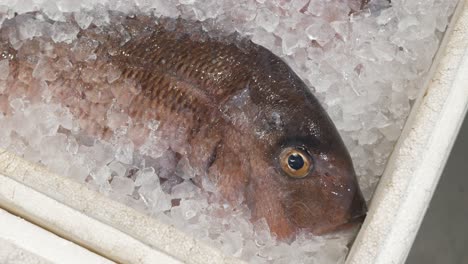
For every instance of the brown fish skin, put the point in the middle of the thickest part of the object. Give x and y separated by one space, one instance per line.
229 106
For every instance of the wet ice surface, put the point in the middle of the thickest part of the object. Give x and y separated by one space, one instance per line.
365 69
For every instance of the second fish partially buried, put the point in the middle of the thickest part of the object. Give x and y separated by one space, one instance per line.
241 116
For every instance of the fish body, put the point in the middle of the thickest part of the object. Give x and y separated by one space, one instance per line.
239 114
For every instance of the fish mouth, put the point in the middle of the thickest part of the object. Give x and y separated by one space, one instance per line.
354 222
358 207
358 212
357 215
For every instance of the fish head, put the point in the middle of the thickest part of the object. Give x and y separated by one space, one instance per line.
301 175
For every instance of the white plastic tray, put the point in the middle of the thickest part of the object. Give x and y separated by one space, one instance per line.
23 242
122 234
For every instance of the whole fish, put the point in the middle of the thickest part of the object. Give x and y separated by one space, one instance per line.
240 115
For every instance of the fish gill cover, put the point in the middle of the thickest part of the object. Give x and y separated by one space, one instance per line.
365 66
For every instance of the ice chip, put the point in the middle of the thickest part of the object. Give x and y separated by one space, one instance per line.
4 69
189 209
52 11
44 70
146 176
121 185
320 31
385 16
18 104
118 168
83 19
64 32
316 7
164 8
124 152
78 172
187 2
406 22
184 169
391 132
184 190
156 199
24 5
267 19
101 175
290 43
206 9
232 243
299 5
70 5
113 74
263 38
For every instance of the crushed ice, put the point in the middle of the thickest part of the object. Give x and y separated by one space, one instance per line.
365 68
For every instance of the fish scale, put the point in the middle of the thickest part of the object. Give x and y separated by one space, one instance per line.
191 63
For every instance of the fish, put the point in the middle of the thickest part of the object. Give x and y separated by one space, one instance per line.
243 119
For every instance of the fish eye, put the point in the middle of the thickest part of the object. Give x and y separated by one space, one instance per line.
295 162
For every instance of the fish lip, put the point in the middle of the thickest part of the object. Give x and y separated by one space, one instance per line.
351 223
357 217
358 207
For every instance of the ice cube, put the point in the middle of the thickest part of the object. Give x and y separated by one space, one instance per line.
165 8
184 169
4 69
44 70
187 2
290 42
316 7
263 38
184 190
122 185
118 168
101 175
189 209
267 19
23 6
64 32
113 74
386 16
206 9
83 19
146 176
78 172
300 5
232 243
52 11
406 22
116 118
124 152
391 132
70 5
157 200
18 104
320 31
